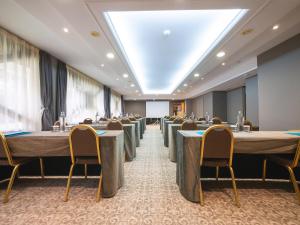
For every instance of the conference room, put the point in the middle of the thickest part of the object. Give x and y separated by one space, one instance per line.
149 112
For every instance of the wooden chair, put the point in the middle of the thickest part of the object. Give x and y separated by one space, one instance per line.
114 125
290 163
216 120
88 121
84 150
132 118
178 121
6 159
125 121
189 125
217 151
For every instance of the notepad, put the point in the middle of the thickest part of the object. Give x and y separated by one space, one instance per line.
294 133
100 132
16 133
200 132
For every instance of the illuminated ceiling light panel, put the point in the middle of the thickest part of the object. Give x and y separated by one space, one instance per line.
161 64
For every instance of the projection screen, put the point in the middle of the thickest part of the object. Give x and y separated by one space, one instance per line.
157 109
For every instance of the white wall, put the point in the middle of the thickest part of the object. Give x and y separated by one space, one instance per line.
279 92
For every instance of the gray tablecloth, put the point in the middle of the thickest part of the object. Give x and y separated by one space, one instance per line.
141 127
137 132
188 154
145 123
166 132
129 139
173 128
47 143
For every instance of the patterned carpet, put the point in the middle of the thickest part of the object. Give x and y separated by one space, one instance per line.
149 196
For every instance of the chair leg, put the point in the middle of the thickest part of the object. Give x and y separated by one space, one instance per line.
294 181
264 170
98 196
69 183
42 168
85 171
236 195
217 173
11 182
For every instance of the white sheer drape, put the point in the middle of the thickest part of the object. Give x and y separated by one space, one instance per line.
115 104
84 97
20 104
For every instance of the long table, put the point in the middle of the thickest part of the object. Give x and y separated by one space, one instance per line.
129 138
172 133
137 132
257 142
50 144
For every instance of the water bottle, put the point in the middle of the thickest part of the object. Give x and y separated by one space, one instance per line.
96 117
239 121
62 121
192 116
206 117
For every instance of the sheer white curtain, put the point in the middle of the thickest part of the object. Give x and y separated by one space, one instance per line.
115 104
20 102
84 97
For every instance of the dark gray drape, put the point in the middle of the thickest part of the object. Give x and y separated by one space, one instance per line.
122 105
107 95
61 89
46 90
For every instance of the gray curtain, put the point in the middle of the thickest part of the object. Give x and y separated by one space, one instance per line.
61 88
122 105
107 96
46 90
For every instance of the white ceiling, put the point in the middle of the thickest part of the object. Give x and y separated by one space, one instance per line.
41 23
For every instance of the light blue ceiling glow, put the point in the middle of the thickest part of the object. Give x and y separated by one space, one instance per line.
161 62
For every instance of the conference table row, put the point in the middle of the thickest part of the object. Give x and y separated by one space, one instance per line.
115 147
184 149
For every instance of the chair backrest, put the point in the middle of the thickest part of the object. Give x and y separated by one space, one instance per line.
201 119
125 121
114 125
103 119
217 143
247 122
132 118
57 123
216 120
4 149
84 142
88 121
178 121
172 118
189 125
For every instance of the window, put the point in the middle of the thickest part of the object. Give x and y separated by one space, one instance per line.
115 104
20 104
84 97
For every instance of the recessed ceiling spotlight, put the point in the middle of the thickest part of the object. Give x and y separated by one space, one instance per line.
174 94
117 79
66 30
136 91
275 27
178 91
196 75
102 65
221 54
132 85
202 78
166 32
110 55
95 33
223 63
125 75
185 85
